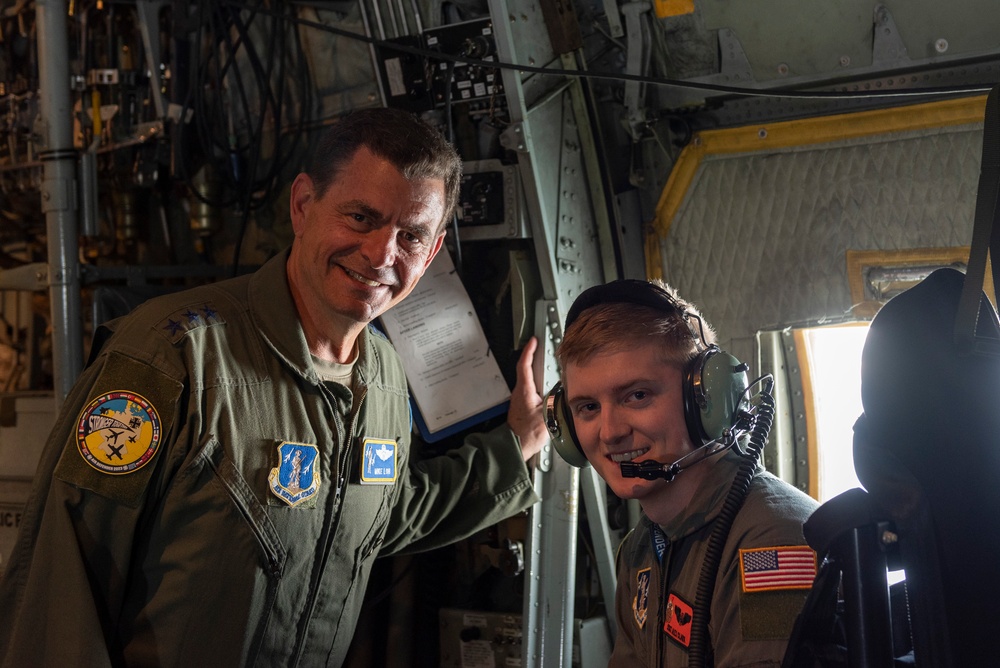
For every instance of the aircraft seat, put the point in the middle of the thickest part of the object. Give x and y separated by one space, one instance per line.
927 451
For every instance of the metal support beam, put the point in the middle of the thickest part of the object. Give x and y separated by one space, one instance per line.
547 132
550 558
59 193
637 33
149 13
595 501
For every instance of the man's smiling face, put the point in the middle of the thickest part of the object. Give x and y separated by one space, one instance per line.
627 405
365 243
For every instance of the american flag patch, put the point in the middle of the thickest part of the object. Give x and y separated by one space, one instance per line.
771 568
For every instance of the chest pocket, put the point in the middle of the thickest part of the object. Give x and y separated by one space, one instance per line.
211 469
366 504
212 536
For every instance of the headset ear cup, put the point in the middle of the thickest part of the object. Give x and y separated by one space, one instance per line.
562 432
714 391
689 391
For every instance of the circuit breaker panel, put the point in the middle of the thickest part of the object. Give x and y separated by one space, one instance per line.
413 79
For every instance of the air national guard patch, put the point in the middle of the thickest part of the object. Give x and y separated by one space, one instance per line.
118 432
640 604
378 461
296 479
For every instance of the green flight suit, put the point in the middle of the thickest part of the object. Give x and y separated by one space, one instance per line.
655 598
232 529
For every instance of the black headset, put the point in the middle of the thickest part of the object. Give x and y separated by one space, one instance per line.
715 382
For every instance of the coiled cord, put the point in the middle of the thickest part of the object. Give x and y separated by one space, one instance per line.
697 649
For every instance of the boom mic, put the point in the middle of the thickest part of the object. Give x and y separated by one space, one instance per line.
654 470
650 470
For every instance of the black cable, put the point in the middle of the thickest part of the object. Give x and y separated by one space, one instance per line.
260 186
699 649
247 179
250 190
237 78
305 102
207 113
257 187
263 83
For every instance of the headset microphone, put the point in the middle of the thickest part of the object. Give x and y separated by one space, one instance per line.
654 470
650 470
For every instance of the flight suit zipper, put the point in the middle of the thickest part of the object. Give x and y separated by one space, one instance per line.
661 618
335 505
354 415
345 456
665 563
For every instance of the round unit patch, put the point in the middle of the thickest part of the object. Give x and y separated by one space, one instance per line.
119 432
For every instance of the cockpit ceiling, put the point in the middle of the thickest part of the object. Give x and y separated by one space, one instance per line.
853 46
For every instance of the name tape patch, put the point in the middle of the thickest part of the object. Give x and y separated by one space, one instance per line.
378 461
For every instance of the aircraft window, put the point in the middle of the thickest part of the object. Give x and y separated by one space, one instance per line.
833 404
833 381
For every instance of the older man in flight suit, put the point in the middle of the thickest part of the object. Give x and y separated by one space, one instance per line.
209 493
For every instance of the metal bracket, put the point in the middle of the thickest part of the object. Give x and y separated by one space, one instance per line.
733 62
512 138
545 375
57 195
887 45
614 18
552 323
637 39
149 12
30 277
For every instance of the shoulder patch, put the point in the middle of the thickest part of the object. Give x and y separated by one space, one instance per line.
120 430
775 582
175 326
770 615
776 568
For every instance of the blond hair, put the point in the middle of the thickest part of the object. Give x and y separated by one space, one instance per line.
616 326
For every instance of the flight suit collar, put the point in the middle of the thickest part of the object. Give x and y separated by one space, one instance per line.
708 500
273 309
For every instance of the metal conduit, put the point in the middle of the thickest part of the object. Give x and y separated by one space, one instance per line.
59 194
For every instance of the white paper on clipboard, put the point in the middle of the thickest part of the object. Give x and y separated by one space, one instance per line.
452 373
